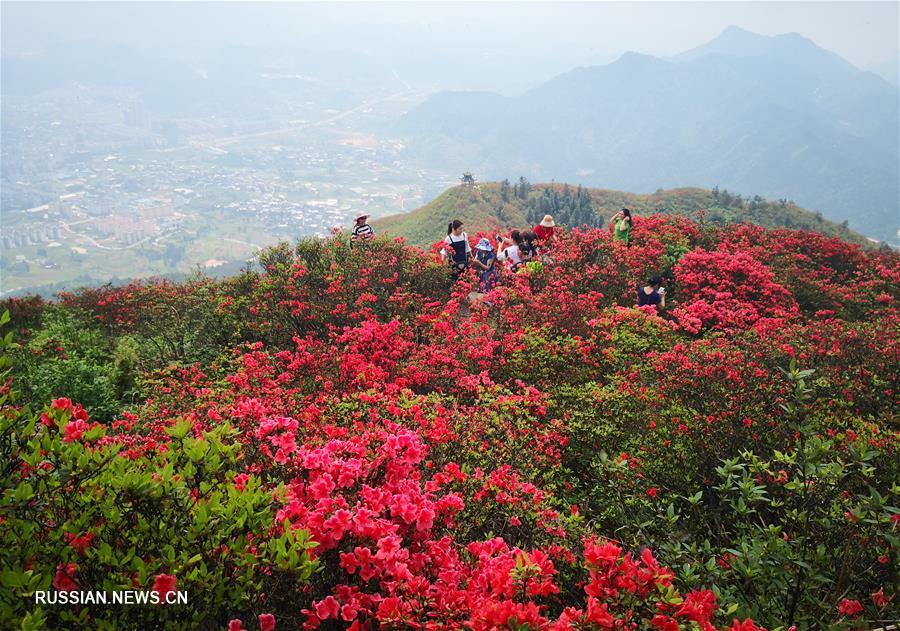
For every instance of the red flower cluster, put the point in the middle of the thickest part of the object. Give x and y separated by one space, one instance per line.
729 291
163 585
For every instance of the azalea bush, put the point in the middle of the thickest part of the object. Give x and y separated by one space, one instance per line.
340 439
82 509
729 291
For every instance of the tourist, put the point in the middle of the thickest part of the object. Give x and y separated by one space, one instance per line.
544 230
456 246
621 225
484 261
510 248
529 249
652 294
362 229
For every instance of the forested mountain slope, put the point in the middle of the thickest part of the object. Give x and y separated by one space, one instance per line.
521 204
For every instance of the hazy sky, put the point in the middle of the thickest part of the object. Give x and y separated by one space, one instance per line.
862 32
506 46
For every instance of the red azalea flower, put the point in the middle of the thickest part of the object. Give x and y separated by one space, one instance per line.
746 625
880 599
79 543
74 430
61 404
266 622
851 608
599 614
240 481
328 608
164 585
663 623
64 579
390 609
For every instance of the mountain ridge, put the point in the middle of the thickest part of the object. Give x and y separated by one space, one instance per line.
734 40
486 209
811 127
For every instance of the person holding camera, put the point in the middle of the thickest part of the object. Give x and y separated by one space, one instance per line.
510 249
652 294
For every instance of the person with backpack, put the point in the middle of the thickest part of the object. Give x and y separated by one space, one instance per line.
456 247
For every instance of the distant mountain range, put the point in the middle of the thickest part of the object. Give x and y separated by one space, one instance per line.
495 205
778 116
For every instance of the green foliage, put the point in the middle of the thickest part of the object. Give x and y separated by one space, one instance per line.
317 284
547 358
144 512
568 207
69 356
784 535
183 323
125 367
483 208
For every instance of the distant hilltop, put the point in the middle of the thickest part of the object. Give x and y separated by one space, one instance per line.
778 116
522 204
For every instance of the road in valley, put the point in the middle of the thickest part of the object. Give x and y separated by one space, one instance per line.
218 144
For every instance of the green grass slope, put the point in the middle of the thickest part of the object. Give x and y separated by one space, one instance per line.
487 207
478 208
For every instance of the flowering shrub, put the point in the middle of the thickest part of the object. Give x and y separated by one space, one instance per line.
82 512
729 291
342 440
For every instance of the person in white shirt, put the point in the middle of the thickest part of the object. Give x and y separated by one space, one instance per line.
457 247
509 248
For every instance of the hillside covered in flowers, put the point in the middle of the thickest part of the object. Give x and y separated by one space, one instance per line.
341 440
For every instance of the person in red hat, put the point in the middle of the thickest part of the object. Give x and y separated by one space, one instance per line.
362 229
